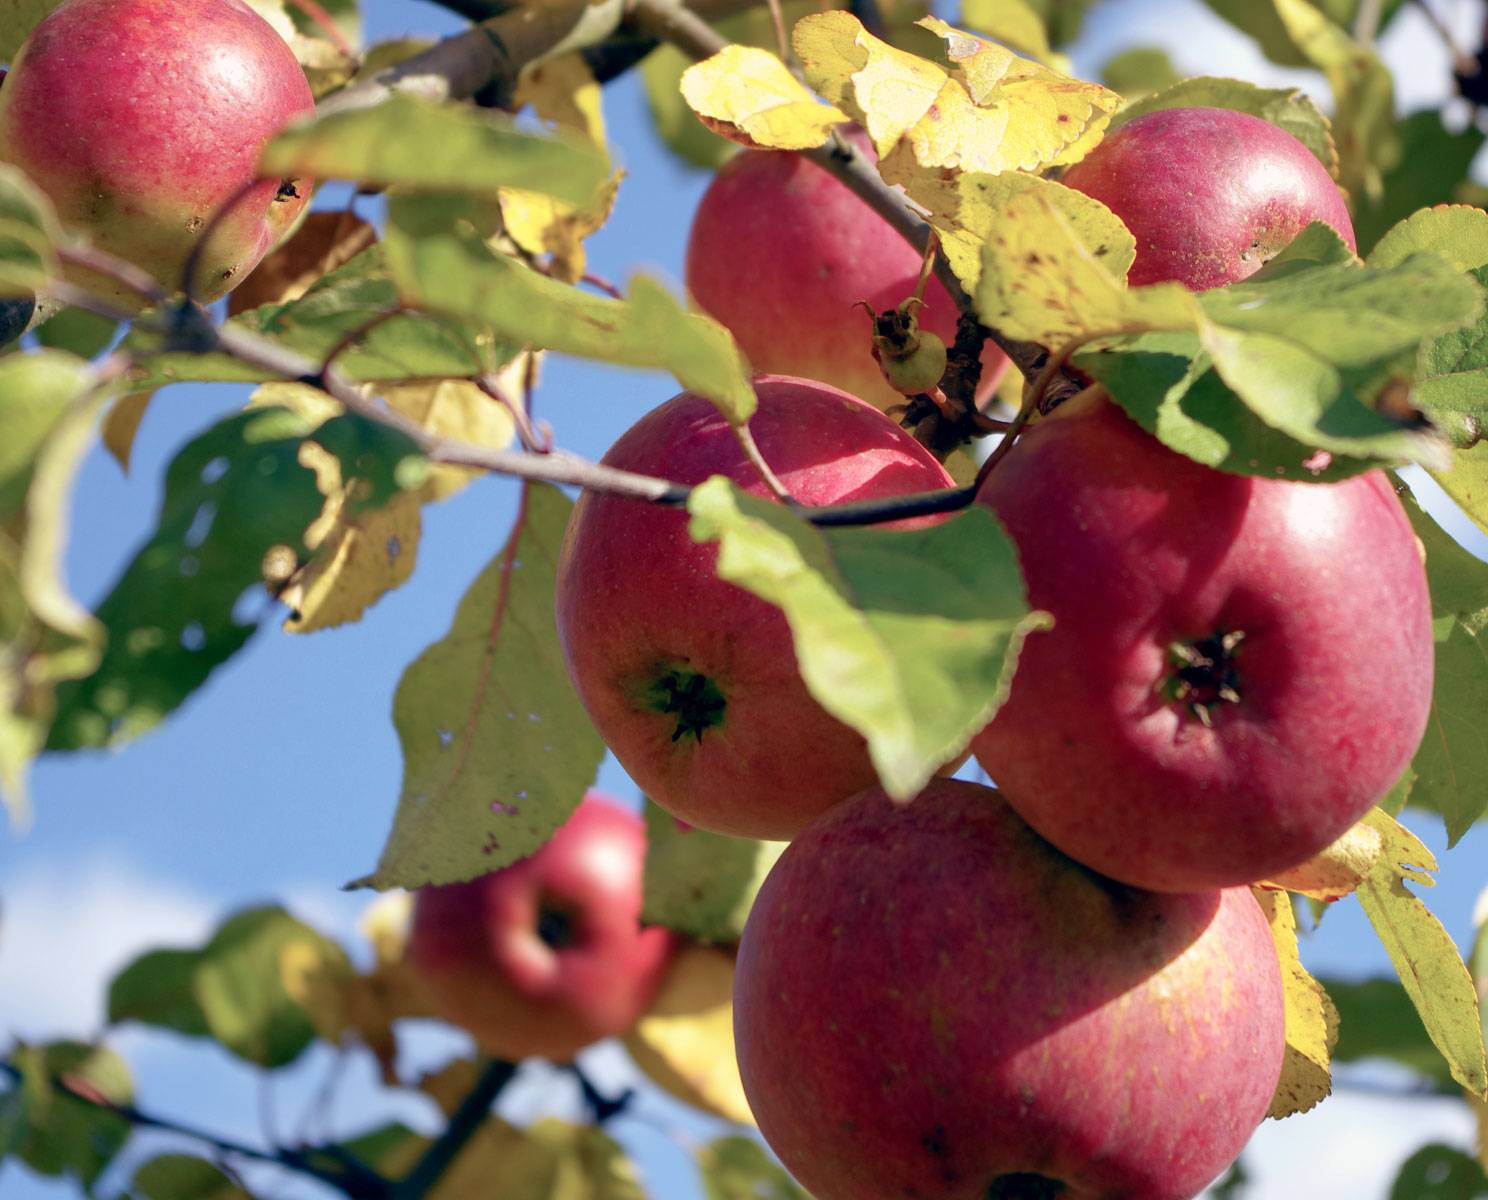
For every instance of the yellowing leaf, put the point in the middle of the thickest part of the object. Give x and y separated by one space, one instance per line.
966 210
541 224
1042 282
747 95
1014 23
323 242
122 422
1337 871
1311 1019
564 91
316 975
685 1042
385 924
1425 957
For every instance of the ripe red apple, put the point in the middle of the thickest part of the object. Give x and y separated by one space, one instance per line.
933 1002
1238 669
547 955
692 681
781 252
141 118
1210 194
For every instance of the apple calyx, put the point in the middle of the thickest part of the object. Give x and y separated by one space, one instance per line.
555 927
1204 674
694 698
912 360
1025 1185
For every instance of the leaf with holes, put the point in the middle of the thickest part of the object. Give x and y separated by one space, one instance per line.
497 749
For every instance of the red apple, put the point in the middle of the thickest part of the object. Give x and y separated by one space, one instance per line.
1210 194
1238 670
141 118
933 1002
780 253
547 955
691 681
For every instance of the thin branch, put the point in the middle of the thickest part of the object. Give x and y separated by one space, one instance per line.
463 1123
327 24
604 1108
474 10
674 22
896 508
757 461
1463 63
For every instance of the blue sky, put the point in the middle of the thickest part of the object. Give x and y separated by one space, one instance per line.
279 779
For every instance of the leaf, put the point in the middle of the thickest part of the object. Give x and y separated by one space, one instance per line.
441 263
990 111
497 749
28 232
563 92
1425 957
1042 282
685 1041
1289 109
1336 871
1432 162
231 495
17 19
55 1133
1378 1020
739 1168
1311 1020
1439 1172
77 331
121 423
908 636
700 883
541 225
412 144
1451 764
1140 70
749 96
324 241
1466 481
183 1177
1454 232
968 208
1014 23
159 988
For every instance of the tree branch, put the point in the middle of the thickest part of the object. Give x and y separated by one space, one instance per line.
463 1123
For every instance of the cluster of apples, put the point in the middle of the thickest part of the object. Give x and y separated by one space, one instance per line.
1062 987
143 122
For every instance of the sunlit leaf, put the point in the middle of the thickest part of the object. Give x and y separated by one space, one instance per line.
1311 1019
749 96
700 883
1337 871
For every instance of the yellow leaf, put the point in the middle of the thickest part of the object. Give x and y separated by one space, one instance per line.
361 557
317 981
385 924
564 91
991 111
323 242
749 96
1042 282
1012 22
122 422
542 224
1337 871
1425 957
1311 1019
685 1043
966 209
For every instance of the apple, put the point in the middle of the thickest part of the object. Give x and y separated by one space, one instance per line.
142 118
1210 194
781 253
690 680
1239 667
933 1002
547 955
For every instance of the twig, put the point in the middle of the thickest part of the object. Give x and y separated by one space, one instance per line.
1367 22
1463 63
463 1123
605 1108
323 19
672 21
897 508
782 39
757 461
526 433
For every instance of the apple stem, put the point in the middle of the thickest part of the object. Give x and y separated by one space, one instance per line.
757 460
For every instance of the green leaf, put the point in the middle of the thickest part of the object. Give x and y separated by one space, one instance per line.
675 122
497 749
1466 481
28 232
1376 1019
1451 765
1426 959
443 264
1440 1172
1139 70
1258 18
232 989
17 19
1169 386
1349 317
1432 162
53 1132
83 333
1062 18
1456 233
410 143
231 495
1289 109
908 636
159 988
739 1168
700 883
1016 24
183 1177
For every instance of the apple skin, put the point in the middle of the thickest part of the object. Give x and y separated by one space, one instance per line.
1133 548
141 118
546 956
780 253
1210 194
932 1003
638 600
